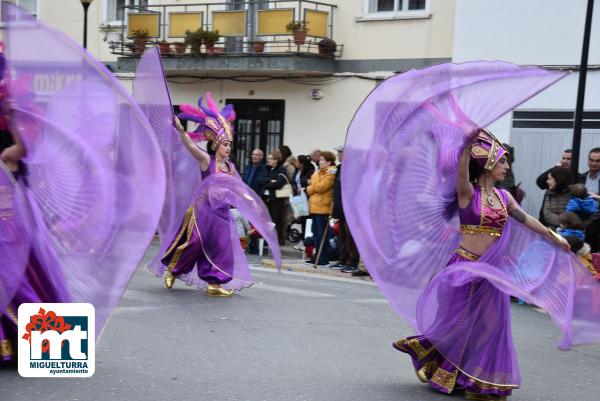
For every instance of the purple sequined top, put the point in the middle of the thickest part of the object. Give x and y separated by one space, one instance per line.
478 218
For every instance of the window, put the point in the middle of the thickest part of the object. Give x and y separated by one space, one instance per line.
395 7
114 11
31 6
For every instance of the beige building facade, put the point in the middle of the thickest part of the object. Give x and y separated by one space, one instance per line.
289 94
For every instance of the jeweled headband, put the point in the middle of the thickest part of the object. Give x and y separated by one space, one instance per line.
487 150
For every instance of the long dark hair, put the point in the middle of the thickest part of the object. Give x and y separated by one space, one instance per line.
286 152
562 177
475 170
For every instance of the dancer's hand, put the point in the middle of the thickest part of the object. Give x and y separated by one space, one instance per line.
560 241
178 125
564 244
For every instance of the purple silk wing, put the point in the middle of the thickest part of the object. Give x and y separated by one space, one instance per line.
96 178
233 191
14 237
182 170
218 192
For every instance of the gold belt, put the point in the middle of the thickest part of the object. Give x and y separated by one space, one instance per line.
466 254
473 229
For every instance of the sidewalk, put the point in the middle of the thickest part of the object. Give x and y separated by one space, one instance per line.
291 260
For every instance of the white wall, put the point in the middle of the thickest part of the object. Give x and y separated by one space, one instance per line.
560 96
540 32
307 123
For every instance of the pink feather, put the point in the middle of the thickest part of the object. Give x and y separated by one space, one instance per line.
210 103
191 109
231 116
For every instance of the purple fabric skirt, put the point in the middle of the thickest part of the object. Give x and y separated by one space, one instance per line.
187 251
492 351
36 286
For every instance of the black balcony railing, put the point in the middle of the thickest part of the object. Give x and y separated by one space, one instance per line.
248 28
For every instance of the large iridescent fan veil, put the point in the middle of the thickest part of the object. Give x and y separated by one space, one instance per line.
183 174
96 179
399 185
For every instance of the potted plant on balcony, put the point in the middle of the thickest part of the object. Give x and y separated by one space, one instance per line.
164 47
140 38
210 38
298 30
194 40
327 47
179 47
258 46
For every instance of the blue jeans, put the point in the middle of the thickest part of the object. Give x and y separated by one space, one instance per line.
320 223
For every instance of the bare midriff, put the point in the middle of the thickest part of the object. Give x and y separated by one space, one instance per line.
477 243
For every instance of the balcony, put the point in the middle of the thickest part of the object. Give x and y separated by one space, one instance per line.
253 37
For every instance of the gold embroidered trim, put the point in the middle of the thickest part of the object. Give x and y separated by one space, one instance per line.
473 229
444 379
466 254
6 348
415 346
11 314
188 223
188 214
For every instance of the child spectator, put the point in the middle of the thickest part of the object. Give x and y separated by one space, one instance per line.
581 203
570 225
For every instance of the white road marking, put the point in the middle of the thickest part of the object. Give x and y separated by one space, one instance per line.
292 291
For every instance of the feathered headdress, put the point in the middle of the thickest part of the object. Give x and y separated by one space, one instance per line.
213 124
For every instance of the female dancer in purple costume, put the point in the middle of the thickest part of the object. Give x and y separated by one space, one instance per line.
483 212
210 252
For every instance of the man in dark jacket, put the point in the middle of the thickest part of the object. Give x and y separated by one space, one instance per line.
349 256
565 161
591 179
255 170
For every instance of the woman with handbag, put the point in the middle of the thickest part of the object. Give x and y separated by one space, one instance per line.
320 192
276 191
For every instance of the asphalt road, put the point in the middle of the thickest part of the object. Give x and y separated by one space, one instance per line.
292 336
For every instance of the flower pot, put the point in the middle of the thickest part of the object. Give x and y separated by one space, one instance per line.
179 47
326 51
299 37
139 44
209 46
258 47
164 47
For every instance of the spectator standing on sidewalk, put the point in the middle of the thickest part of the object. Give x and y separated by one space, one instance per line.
274 180
315 156
541 182
255 170
591 179
320 192
557 196
349 258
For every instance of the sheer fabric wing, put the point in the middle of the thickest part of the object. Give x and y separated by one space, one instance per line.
14 237
151 92
96 178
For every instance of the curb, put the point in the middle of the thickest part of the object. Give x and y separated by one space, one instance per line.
270 263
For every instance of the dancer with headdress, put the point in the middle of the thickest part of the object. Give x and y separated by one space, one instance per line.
78 207
189 249
446 247
204 242
198 234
